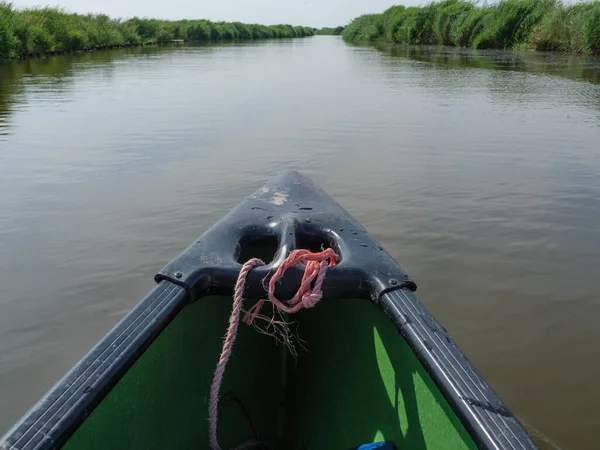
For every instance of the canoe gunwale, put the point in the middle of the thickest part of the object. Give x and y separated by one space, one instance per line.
487 419
292 212
57 415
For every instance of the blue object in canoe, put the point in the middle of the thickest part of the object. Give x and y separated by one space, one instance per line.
376 446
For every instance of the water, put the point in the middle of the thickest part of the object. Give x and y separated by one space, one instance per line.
479 172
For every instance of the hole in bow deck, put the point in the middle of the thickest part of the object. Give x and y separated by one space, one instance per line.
261 247
315 242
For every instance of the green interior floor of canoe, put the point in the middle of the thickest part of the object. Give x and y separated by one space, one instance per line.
356 382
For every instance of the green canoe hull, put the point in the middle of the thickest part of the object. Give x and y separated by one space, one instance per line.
356 382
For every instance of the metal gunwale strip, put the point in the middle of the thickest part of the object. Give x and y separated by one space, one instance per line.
442 370
469 373
141 318
449 369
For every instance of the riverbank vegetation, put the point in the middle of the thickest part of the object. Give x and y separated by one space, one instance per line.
524 24
38 31
337 31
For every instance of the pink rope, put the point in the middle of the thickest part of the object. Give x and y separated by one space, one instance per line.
316 267
306 297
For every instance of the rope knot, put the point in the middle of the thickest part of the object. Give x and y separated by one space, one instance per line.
311 299
310 291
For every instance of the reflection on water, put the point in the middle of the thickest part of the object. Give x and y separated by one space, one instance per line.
478 171
576 67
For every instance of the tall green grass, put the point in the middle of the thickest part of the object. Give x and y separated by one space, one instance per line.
45 30
527 24
337 31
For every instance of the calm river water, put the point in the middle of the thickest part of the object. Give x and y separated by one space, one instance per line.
478 171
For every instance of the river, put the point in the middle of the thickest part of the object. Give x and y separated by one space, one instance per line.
478 171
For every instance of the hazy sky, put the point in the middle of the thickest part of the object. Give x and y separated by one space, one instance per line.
315 13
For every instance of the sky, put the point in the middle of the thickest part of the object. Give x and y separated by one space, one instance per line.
314 13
